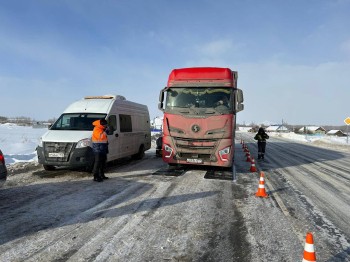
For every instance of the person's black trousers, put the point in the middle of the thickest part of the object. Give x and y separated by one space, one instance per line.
99 165
261 149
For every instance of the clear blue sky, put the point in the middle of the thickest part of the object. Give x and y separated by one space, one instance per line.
292 57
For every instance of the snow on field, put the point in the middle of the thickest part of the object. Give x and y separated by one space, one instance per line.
311 138
18 143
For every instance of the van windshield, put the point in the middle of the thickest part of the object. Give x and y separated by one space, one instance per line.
76 121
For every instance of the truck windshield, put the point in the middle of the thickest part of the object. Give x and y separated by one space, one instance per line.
215 99
76 121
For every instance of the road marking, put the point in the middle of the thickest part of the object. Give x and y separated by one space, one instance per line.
284 210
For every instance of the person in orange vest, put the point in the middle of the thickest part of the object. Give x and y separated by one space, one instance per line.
100 148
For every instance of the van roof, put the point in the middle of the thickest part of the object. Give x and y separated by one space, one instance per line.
90 106
119 97
101 104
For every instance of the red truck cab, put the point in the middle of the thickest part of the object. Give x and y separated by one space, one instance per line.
200 106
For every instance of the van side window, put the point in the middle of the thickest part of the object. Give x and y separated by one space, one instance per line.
112 123
125 123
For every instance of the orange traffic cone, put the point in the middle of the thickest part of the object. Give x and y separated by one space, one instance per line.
246 148
248 157
261 189
309 251
253 167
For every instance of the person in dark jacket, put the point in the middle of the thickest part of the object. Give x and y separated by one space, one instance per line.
100 148
261 136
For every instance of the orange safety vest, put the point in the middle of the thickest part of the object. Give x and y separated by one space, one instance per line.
98 134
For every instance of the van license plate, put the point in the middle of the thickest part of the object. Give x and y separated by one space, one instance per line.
56 154
194 160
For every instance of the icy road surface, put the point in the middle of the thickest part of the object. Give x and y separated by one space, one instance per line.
143 213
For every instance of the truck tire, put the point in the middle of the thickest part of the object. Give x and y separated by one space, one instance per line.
140 154
48 168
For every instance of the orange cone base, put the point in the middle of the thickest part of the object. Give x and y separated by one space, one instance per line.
309 251
253 169
261 193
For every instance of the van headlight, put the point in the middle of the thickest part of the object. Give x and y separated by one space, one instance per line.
84 143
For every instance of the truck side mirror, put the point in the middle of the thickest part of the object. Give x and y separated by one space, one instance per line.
161 99
239 95
239 100
240 107
161 95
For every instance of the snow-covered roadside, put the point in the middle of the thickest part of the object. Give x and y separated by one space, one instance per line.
329 142
18 143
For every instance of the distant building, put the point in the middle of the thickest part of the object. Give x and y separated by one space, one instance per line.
335 133
313 130
277 128
246 129
157 123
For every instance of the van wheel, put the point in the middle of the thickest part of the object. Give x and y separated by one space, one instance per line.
140 154
48 168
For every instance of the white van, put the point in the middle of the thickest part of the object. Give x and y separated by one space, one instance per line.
68 141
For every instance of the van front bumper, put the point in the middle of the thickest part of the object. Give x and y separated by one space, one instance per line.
77 157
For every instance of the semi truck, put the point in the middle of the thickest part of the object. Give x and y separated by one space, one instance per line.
67 143
199 107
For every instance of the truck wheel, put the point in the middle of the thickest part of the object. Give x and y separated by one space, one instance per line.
140 154
48 168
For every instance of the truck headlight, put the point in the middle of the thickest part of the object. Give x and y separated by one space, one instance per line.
224 153
84 143
167 151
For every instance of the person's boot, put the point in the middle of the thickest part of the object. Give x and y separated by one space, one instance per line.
97 178
262 156
102 175
259 155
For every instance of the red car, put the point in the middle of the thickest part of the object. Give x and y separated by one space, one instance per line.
3 170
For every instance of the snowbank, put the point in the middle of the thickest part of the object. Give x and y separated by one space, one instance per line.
18 143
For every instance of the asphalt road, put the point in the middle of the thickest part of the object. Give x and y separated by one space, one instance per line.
146 212
312 187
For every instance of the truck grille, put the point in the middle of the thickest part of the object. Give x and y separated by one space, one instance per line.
58 152
195 148
194 144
